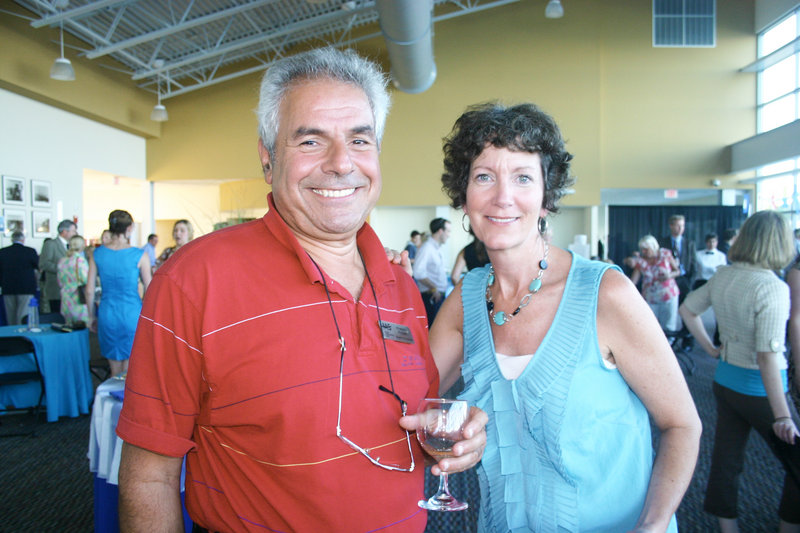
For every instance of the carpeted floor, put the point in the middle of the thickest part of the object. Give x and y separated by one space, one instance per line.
45 484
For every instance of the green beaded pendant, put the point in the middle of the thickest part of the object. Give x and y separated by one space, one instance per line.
535 285
499 318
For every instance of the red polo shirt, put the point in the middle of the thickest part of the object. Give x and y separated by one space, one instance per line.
236 365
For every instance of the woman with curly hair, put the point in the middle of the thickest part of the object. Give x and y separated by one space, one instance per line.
562 352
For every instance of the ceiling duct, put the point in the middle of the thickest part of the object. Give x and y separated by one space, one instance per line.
407 29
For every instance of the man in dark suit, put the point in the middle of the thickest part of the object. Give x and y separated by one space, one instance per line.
52 251
684 251
18 264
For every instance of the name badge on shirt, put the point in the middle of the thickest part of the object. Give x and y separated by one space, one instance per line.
396 332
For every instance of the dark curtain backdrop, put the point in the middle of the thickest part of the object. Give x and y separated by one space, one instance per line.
628 224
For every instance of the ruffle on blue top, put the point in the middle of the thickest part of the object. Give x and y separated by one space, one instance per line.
527 484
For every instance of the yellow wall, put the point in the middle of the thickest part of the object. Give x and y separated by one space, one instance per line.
98 93
634 116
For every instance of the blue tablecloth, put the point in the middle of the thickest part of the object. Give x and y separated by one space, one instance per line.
64 360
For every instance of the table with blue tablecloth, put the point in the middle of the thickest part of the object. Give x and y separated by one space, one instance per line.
104 455
64 360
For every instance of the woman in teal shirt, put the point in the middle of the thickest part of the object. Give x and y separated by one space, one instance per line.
562 352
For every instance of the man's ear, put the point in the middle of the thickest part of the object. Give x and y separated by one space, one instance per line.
266 162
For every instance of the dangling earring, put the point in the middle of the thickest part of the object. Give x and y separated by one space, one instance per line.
463 226
542 225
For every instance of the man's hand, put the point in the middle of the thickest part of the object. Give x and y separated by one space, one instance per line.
467 452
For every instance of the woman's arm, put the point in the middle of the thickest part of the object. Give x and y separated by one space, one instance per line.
90 285
636 275
694 324
145 272
83 270
769 365
629 333
447 341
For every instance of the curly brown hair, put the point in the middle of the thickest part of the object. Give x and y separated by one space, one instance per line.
523 128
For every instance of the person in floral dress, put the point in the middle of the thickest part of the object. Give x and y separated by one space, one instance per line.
657 269
73 270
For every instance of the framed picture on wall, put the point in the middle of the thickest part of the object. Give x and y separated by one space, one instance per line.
40 193
13 190
41 223
15 221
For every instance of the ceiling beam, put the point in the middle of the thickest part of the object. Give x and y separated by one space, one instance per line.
76 12
243 43
163 32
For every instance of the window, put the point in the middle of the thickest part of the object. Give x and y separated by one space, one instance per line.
777 188
684 23
777 104
778 68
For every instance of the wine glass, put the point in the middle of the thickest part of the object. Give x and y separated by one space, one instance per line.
443 422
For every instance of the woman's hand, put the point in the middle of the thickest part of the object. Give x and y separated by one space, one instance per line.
785 429
93 324
400 258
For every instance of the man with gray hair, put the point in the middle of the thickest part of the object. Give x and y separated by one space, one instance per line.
52 251
285 385
18 264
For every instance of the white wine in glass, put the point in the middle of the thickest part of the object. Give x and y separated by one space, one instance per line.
443 424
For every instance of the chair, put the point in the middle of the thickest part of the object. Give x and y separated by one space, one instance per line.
676 339
46 318
98 365
12 347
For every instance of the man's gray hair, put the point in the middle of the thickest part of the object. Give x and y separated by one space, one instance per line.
65 225
17 236
317 64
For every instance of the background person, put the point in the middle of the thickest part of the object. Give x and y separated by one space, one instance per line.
471 256
182 232
708 261
120 267
751 305
657 270
73 273
568 394
413 245
728 238
52 251
684 252
18 272
150 248
430 271
259 353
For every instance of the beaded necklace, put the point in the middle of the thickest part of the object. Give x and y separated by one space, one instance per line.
501 317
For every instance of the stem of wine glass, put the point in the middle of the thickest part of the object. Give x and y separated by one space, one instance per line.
444 489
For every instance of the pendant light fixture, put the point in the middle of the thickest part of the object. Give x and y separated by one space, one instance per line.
159 113
554 9
62 68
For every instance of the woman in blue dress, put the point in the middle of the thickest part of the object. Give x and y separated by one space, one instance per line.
120 267
562 353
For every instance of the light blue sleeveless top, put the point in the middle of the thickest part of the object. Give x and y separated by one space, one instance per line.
568 443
